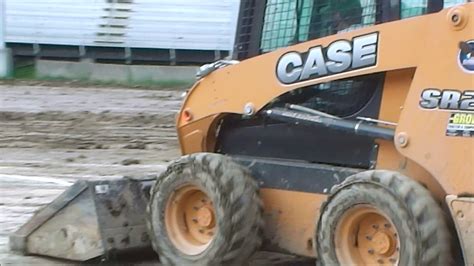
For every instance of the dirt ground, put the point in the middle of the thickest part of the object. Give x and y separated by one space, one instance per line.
54 134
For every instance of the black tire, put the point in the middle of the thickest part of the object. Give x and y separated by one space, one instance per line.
238 208
421 225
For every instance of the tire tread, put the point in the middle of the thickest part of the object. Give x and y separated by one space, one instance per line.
432 233
231 183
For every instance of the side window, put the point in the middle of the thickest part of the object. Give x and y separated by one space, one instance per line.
412 8
288 22
334 16
450 3
341 98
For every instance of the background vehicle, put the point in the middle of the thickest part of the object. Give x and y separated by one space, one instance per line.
355 148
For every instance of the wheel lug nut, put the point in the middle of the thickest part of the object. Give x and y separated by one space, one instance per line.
380 261
387 225
203 200
368 238
195 220
371 251
195 208
201 231
375 226
392 260
210 233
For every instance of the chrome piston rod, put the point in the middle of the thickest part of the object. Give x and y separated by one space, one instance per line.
354 127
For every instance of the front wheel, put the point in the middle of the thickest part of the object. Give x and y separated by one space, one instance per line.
205 210
382 218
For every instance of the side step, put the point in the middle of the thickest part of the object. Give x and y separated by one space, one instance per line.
92 219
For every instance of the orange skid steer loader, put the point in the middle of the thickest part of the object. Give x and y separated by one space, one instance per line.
344 133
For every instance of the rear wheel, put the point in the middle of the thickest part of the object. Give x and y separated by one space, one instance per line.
205 210
383 218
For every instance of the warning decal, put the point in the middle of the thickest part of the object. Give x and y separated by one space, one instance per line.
460 125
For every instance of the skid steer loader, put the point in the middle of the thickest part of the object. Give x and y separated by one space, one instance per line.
344 134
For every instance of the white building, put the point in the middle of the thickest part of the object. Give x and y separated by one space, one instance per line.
159 30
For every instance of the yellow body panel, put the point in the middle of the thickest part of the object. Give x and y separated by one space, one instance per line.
288 228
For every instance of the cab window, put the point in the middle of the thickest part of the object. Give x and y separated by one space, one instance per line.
288 22
412 8
342 98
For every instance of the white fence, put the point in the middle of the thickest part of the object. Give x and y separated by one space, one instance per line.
164 24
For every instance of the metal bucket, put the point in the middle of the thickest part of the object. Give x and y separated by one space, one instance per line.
92 219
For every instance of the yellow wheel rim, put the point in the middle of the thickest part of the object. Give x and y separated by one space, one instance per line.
364 235
190 220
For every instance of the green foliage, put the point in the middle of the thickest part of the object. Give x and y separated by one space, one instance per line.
24 72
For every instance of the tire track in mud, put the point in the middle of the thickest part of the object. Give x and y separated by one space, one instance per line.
50 137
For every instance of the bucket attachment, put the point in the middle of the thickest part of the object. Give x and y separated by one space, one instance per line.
92 219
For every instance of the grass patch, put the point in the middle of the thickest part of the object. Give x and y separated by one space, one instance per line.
25 72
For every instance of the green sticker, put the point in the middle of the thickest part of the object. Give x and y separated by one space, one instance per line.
461 125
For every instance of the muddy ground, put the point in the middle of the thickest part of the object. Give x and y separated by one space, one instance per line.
52 134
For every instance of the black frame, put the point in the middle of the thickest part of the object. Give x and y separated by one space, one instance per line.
266 138
249 28
295 176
